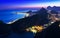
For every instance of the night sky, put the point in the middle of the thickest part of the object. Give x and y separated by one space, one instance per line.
7 4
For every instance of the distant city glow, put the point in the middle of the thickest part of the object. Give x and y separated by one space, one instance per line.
35 29
59 25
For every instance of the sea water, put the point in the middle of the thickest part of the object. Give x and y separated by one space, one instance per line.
10 15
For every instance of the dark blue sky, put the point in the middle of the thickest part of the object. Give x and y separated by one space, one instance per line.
25 1
28 3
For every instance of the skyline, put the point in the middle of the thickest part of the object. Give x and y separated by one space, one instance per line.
14 4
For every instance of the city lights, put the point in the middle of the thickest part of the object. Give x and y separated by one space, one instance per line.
35 29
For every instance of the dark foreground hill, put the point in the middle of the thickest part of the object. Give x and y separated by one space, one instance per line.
53 31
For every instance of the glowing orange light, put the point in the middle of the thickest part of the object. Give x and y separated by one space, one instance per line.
35 29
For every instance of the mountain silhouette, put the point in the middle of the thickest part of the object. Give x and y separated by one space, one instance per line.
53 31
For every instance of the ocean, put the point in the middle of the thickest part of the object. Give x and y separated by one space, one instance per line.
10 15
